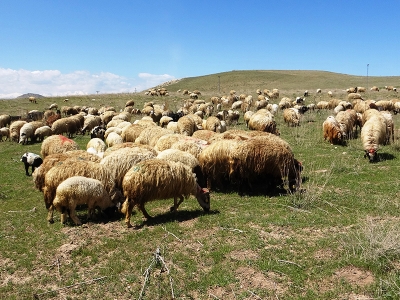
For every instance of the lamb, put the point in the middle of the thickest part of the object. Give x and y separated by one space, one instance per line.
57 144
42 132
31 159
172 179
373 134
80 190
263 120
332 131
67 169
264 159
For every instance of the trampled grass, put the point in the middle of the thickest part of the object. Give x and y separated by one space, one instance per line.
335 239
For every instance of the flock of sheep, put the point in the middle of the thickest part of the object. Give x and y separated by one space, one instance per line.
167 154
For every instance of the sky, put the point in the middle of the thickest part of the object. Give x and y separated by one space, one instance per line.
79 47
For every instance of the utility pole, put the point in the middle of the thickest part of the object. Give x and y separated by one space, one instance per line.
367 78
219 84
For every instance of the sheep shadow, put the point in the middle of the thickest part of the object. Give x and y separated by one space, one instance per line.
179 216
385 156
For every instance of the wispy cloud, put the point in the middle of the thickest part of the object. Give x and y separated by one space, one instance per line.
14 83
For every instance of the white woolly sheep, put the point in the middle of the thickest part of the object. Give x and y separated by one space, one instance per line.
4 132
27 133
172 179
80 190
42 132
97 144
373 134
113 139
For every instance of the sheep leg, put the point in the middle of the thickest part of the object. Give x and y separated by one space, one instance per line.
74 217
146 215
176 205
50 214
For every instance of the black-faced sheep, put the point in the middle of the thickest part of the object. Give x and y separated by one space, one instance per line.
80 190
157 179
98 132
31 160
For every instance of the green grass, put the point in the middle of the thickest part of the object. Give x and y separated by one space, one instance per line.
323 243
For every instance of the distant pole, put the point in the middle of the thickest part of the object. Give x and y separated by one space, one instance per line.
367 78
97 92
219 84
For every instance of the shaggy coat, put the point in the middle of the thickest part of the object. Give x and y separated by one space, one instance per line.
80 190
263 120
332 131
97 144
114 139
291 116
42 132
57 144
373 134
157 179
347 120
15 129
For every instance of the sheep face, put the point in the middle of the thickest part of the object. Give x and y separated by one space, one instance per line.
371 154
203 197
116 196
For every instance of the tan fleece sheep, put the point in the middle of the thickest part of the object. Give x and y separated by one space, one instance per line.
15 129
332 131
42 132
263 120
80 190
57 144
373 134
171 179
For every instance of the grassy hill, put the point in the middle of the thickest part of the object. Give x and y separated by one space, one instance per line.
337 238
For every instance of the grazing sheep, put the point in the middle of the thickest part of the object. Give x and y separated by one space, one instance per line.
389 88
246 117
132 132
213 124
360 89
27 132
97 144
165 120
90 122
67 169
42 132
285 103
98 132
389 126
322 105
319 91
330 94
130 103
15 128
353 96
373 134
80 190
204 134
186 125
4 132
57 144
332 131
264 159
190 145
149 136
5 120
263 120
374 89
31 159
166 141
171 179
347 120
291 116
385 105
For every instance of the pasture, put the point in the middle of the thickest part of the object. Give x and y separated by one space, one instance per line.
337 238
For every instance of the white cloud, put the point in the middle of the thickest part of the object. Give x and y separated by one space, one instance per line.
14 83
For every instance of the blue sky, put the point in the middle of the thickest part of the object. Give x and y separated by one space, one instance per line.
82 46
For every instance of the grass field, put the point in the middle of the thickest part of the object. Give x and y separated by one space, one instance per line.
338 239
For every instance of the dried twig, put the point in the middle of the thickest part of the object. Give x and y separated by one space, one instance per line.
22 211
214 296
289 262
171 234
36 296
255 295
232 229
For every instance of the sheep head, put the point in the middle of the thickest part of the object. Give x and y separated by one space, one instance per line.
203 197
371 154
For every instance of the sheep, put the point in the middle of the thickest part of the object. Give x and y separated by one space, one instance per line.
373 134
171 179
5 120
351 90
330 94
98 132
264 159
360 89
353 96
347 120
186 125
90 123
149 136
121 160
97 144
247 116
285 103
214 163
306 93
322 105
191 145
114 139
374 89
57 144
27 132
165 120
80 190
4 132
213 123
31 159
32 99
389 88
204 134
389 126
67 169
319 91
263 120
42 132
332 131
385 105
291 116
35 115
15 128
167 140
